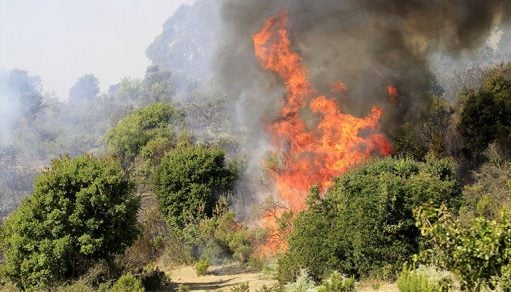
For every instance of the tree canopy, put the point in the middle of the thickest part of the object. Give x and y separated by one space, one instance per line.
82 210
132 133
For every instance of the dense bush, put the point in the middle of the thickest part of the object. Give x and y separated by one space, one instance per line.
485 113
478 253
303 283
337 283
82 210
489 196
430 133
424 279
127 282
190 181
201 267
223 236
365 225
132 134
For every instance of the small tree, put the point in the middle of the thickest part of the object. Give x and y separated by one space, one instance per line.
189 182
82 210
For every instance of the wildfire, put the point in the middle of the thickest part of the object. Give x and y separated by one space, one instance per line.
310 155
393 94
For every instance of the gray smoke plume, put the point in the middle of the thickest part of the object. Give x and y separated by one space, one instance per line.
366 44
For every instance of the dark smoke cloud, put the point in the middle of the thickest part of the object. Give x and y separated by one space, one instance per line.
367 44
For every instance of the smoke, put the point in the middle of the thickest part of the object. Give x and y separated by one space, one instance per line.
20 95
366 44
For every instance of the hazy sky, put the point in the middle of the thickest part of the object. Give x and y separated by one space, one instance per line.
60 40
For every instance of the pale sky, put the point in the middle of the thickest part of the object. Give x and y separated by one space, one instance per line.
61 40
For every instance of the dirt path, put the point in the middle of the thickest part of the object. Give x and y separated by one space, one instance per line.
219 278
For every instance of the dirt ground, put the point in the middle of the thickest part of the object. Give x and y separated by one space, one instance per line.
223 278
219 278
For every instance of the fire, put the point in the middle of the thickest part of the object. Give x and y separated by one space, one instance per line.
310 155
393 94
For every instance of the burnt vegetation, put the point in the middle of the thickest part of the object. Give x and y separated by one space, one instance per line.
107 191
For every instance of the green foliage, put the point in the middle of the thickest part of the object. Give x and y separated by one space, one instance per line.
77 286
477 253
82 210
127 282
337 283
152 278
243 287
365 220
183 288
201 267
424 279
132 134
485 114
190 181
151 242
223 236
429 133
303 283
489 195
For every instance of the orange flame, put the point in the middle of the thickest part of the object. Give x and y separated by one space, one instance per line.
311 155
393 95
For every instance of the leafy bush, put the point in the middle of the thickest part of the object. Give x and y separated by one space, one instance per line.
201 267
489 196
365 225
152 279
183 288
190 181
77 286
127 282
485 113
223 236
424 279
153 123
303 283
337 283
82 210
154 235
243 287
478 253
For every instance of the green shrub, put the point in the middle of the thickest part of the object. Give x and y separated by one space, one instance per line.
365 220
152 278
337 283
127 282
223 236
303 283
133 133
201 267
183 288
190 181
478 252
243 287
82 210
484 115
154 235
424 279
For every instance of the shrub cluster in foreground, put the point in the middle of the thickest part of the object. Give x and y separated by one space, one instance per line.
366 219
